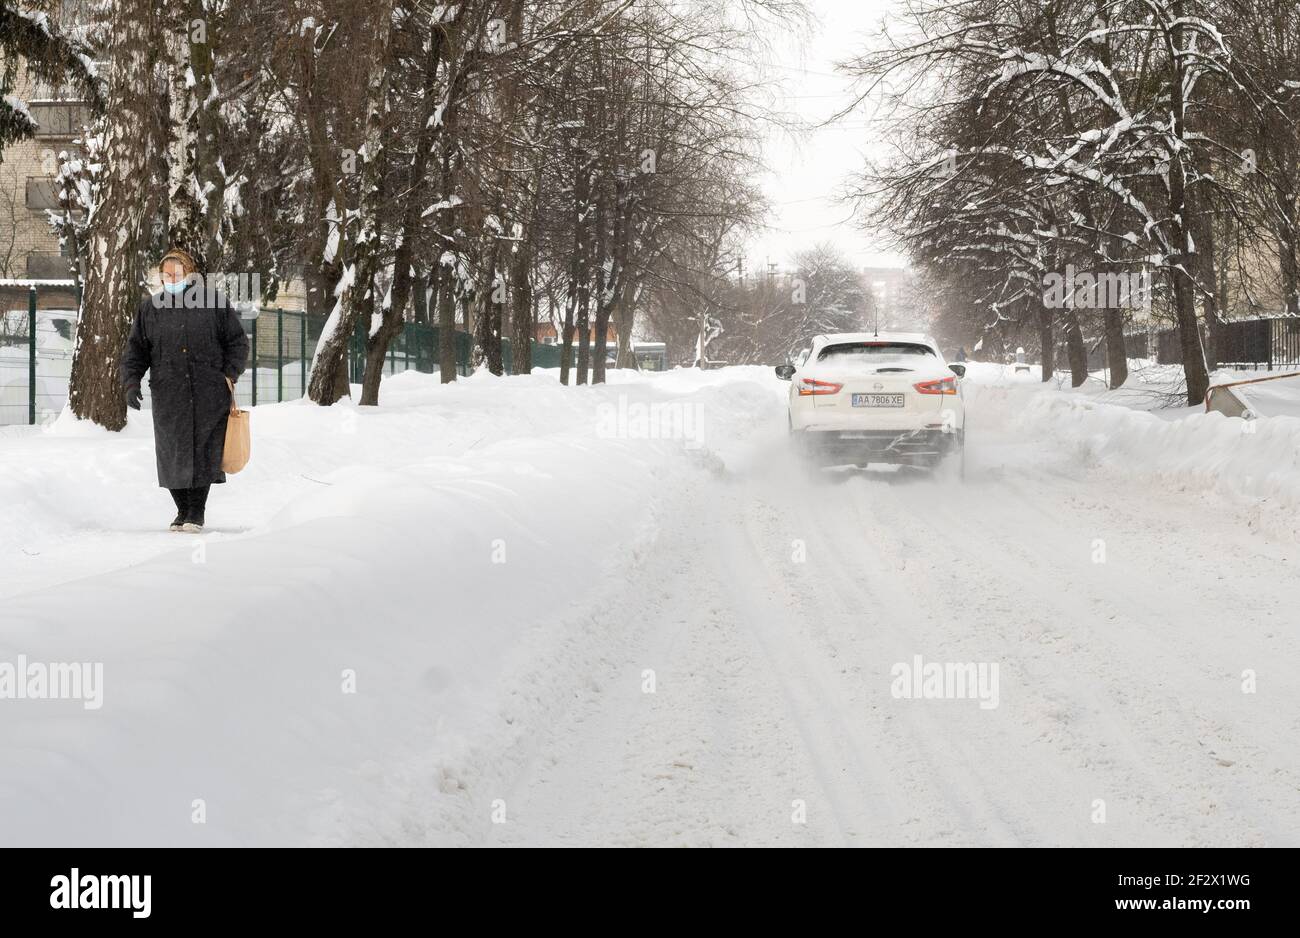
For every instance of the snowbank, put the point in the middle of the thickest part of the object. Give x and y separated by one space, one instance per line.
446 556
1255 462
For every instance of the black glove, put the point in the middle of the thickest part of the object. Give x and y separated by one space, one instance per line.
133 396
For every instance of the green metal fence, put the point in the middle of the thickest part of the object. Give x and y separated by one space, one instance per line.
36 352
35 355
284 341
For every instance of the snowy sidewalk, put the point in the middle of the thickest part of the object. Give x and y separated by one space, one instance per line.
443 551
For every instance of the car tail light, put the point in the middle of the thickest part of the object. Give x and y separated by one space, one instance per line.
809 386
938 386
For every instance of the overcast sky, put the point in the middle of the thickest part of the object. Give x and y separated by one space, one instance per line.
806 172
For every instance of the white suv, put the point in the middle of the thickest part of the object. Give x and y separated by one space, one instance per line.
877 398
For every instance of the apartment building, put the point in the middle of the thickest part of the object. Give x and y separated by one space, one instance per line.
28 247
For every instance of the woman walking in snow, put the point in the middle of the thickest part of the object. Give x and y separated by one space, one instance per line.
193 346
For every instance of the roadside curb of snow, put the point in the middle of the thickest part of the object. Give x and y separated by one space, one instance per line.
1255 463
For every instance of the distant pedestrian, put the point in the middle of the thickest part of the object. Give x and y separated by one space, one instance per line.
193 346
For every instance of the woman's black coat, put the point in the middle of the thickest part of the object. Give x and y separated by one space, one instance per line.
189 353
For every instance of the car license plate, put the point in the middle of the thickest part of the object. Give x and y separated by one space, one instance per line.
877 400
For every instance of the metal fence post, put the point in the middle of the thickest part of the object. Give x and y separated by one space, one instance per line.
256 317
31 355
279 355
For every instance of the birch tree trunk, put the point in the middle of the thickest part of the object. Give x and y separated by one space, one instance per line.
196 185
118 222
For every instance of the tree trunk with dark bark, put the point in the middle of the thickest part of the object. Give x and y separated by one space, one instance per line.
1116 350
521 310
1046 342
446 324
1075 349
1288 262
420 296
356 303
394 313
489 300
603 285
1189 333
577 268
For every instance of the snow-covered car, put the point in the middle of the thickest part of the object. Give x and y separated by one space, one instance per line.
865 398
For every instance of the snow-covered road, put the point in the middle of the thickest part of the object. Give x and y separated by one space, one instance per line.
562 634
1119 681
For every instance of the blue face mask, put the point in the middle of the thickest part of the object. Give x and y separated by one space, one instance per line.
178 287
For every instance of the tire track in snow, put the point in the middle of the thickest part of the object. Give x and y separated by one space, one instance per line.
711 758
1121 674
1121 650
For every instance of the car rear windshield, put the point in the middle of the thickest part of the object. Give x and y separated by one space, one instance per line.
875 354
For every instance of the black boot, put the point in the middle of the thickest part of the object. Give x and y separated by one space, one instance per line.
182 499
197 500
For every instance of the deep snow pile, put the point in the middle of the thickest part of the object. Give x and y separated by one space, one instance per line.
1255 462
442 555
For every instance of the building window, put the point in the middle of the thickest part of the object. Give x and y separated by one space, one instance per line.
41 193
59 118
42 266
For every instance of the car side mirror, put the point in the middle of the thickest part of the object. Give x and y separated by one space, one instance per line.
785 372
958 370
